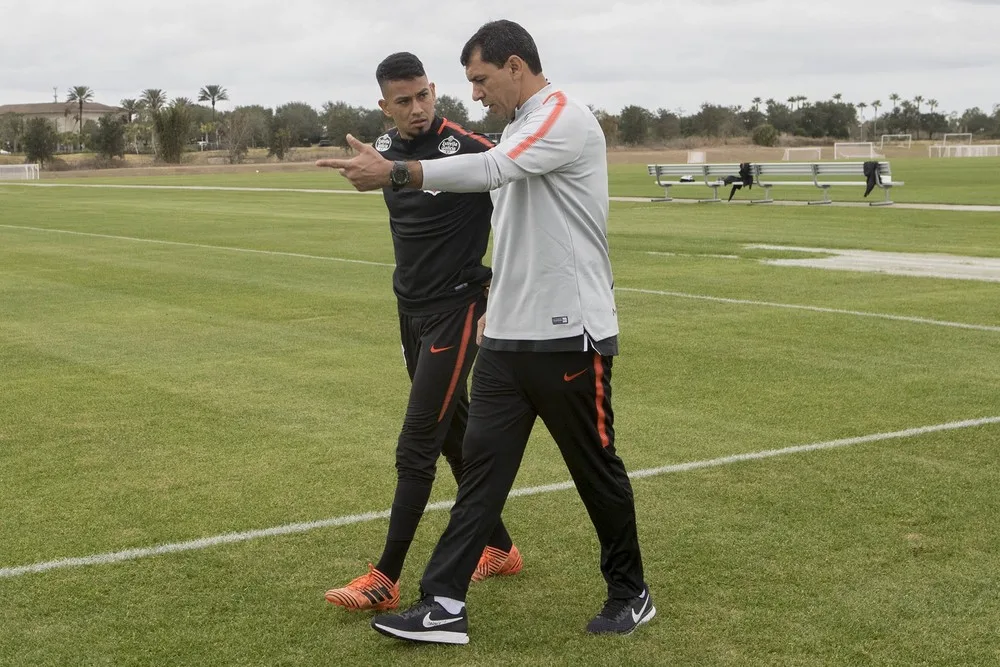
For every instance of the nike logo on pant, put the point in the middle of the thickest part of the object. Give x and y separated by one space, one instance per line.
569 378
439 350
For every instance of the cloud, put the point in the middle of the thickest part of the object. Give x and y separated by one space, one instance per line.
662 53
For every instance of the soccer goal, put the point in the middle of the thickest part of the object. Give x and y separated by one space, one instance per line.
803 153
19 172
856 149
957 139
696 157
964 150
901 140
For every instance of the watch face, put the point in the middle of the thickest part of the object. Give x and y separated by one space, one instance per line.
400 174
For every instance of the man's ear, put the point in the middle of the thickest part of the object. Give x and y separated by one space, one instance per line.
516 66
382 104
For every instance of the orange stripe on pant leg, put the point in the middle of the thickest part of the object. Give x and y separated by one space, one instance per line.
466 335
602 418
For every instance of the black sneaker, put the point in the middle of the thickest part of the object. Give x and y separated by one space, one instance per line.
623 615
425 621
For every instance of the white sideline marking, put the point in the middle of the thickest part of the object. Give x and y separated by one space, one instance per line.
815 309
208 188
199 245
681 295
290 529
690 254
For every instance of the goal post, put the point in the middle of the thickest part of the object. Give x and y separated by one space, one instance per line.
19 172
856 149
803 153
964 150
957 138
901 140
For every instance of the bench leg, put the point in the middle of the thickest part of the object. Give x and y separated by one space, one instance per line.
887 202
666 195
826 197
767 197
715 196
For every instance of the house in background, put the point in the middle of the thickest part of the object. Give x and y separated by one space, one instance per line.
63 114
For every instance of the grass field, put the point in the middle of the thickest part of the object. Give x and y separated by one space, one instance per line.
187 364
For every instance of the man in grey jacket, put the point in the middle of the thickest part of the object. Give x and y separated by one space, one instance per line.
549 334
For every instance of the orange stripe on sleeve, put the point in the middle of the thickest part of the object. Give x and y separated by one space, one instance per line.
465 133
602 418
466 336
544 129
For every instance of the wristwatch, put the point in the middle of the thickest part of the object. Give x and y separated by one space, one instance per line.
400 175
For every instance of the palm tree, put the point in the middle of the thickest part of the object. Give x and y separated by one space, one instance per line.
791 102
213 93
933 104
895 99
837 97
131 107
756 103
918 99
861 107
153 99
80 94
181 102
875 105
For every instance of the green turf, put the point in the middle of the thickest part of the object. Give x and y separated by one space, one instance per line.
954 181
165 391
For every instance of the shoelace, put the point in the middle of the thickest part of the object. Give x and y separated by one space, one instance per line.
365 580
419 607
614 607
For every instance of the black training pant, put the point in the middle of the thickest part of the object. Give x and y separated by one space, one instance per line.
571 392
439 351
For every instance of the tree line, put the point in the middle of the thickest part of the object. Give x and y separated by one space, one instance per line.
153 123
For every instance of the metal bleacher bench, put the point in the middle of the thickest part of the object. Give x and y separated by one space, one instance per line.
764 173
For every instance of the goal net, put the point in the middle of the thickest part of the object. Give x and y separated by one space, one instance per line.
957 138
964 150
902 140
19 172
856 149
696 157
805 153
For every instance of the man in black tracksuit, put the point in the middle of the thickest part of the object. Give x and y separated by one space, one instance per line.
439 239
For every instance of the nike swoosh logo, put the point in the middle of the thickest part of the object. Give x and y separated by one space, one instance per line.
439 350
635 616
431 623
569 378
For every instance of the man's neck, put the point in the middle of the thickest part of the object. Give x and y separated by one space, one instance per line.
531 87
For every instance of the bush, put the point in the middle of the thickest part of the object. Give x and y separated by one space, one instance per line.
765 135
109 139
171 127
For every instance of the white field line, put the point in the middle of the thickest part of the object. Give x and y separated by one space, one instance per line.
204 246
985 208
680 295
814 309
294 528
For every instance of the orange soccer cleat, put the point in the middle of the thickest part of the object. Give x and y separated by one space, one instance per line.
497 563
373 591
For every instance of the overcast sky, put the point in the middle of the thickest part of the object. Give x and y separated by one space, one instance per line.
664 53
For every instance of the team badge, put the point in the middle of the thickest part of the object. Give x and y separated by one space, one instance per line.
383 143
449 145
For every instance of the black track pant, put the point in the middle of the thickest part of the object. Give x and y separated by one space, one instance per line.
439 351
571 392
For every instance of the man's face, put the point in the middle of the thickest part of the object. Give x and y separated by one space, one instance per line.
410 104
496 87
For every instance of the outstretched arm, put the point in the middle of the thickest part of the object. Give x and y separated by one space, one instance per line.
368 170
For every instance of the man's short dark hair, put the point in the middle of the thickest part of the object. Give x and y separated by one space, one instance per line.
497 41
402 66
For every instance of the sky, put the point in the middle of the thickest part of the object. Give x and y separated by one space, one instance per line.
656 54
